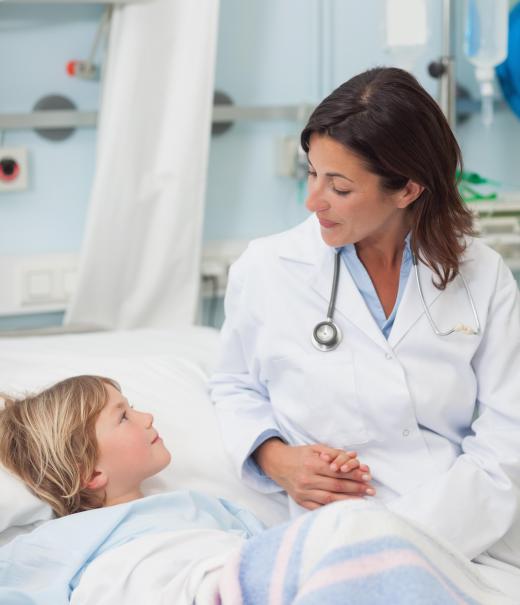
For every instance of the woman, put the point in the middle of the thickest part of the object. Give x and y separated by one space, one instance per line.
408 390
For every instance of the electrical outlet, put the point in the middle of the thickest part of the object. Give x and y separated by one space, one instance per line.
13 168
46 280
83 69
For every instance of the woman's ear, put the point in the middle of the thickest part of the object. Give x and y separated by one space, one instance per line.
97 481
408 194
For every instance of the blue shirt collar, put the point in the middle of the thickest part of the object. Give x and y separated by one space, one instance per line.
350 249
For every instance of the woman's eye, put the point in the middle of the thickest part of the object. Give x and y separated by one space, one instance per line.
310 172
340 192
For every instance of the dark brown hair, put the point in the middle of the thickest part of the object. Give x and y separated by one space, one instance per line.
386 118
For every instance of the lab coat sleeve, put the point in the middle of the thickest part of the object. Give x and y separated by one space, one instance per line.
241 400
476 501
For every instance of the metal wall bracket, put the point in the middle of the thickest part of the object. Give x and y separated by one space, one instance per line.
221 113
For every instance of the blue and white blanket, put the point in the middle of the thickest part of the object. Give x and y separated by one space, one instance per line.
352 553
45 566
184 548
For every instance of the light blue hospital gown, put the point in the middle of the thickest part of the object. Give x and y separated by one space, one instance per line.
44 566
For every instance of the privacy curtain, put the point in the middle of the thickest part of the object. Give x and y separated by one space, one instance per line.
140 259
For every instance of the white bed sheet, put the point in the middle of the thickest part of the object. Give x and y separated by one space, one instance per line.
161 371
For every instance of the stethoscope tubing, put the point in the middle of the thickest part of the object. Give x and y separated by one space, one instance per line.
333 341
459 327
335 282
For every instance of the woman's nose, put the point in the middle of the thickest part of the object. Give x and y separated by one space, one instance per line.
316 201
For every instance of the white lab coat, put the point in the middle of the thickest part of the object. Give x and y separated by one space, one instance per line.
437 419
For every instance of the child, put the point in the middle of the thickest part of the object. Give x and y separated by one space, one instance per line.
82 448
79 445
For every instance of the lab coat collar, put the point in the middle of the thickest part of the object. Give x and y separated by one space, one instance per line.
304 244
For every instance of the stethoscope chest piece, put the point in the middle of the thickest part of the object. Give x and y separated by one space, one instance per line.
326 335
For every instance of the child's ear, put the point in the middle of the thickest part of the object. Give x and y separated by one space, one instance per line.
98 480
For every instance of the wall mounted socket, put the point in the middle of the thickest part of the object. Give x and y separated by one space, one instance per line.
13 168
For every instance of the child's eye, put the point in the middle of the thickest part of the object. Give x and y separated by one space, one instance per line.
124 415
310 172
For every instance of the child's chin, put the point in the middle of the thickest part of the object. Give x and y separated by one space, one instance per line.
167 458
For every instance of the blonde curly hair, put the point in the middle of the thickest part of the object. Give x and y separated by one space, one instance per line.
49 440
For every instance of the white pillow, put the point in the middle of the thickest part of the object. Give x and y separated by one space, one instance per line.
172 387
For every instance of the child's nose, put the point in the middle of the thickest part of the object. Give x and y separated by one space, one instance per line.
147 419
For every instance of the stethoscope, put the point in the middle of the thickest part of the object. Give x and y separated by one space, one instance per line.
326 335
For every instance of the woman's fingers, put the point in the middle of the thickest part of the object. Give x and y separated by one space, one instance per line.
317 498
310 481
344 462
329 453
335 485
358 475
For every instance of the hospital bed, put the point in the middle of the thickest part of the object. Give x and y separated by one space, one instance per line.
161 371
164 372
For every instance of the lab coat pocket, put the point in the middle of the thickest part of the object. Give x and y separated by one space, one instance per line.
314 399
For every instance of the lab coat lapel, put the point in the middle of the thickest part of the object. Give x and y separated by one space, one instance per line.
349 302
304 245
411 307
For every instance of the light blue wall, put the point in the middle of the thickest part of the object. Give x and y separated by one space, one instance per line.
288 52
266 56
36 42
269 52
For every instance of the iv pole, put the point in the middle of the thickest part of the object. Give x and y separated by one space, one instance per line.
444 68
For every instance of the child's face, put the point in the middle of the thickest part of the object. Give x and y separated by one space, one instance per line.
130 449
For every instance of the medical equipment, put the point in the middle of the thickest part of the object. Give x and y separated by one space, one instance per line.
466 182
463 328
509 71
486 33
406 32
444 67
326 335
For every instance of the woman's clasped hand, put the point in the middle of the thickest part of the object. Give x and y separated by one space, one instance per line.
316 474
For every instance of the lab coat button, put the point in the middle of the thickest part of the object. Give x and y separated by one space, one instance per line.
406 432
389 356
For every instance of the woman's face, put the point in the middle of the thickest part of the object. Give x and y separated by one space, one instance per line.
347 199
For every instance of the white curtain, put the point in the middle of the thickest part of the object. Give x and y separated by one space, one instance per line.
140 259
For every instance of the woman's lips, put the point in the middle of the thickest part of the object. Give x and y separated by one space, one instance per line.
156 439
326 224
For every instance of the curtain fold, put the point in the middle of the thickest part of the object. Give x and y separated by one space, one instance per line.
140 259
